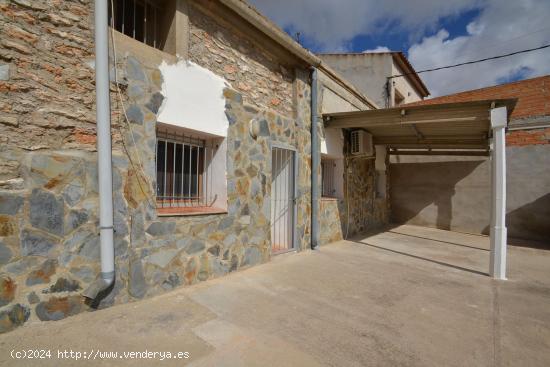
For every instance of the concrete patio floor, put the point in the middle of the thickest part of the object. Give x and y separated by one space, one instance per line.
408 296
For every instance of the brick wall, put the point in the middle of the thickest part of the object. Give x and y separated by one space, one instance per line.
528 137
533 96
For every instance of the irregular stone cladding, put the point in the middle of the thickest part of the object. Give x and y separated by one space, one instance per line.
49 240
332 222
366 212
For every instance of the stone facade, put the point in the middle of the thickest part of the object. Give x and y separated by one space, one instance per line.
49 240
361 194
262 80
332 220
366 211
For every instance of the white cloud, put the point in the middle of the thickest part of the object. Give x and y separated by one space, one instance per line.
333 24
494 32
379 49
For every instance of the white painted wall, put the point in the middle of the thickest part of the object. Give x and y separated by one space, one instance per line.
367 72
404 86
380 166
193 98
339 178
381 153
332 146
332 102
194 103
216 165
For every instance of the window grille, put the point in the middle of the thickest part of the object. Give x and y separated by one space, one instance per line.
184 177
139 19
327 178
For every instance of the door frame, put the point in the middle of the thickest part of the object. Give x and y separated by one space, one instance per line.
296 172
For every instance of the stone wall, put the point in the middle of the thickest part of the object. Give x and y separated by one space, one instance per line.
49 240
332 219
360 189
255 73
366 212
48 92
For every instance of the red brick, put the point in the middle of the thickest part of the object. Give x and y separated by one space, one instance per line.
533 96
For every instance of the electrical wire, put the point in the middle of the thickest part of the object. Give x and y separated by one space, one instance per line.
472 62
499 44
126 119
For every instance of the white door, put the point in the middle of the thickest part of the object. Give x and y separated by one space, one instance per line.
282 200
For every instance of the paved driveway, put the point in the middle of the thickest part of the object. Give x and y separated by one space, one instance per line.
409 296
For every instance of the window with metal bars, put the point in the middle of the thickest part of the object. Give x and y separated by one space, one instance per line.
140 19
184 173
327 178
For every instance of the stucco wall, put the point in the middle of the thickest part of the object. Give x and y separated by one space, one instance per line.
451 193
368 75
405 88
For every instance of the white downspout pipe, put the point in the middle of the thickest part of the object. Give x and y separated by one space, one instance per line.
315 161
104 159
499 121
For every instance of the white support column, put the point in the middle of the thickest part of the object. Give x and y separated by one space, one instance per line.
499 121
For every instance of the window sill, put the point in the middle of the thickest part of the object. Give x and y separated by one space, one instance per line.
188 212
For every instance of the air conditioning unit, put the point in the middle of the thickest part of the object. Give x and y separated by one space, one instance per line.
361 143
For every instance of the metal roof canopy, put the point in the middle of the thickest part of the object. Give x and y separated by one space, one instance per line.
461 126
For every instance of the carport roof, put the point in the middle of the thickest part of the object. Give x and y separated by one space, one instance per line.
463 125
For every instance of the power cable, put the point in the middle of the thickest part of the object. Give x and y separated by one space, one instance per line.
472 62
501 43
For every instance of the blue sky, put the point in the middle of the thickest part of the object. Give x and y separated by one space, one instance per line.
432 33
392 38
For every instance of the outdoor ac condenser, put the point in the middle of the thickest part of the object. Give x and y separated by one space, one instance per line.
361 143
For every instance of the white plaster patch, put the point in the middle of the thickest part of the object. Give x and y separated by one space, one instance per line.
193 98
333 144
380 162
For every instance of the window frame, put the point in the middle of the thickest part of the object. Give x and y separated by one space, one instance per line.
121 22
199 198
328 174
